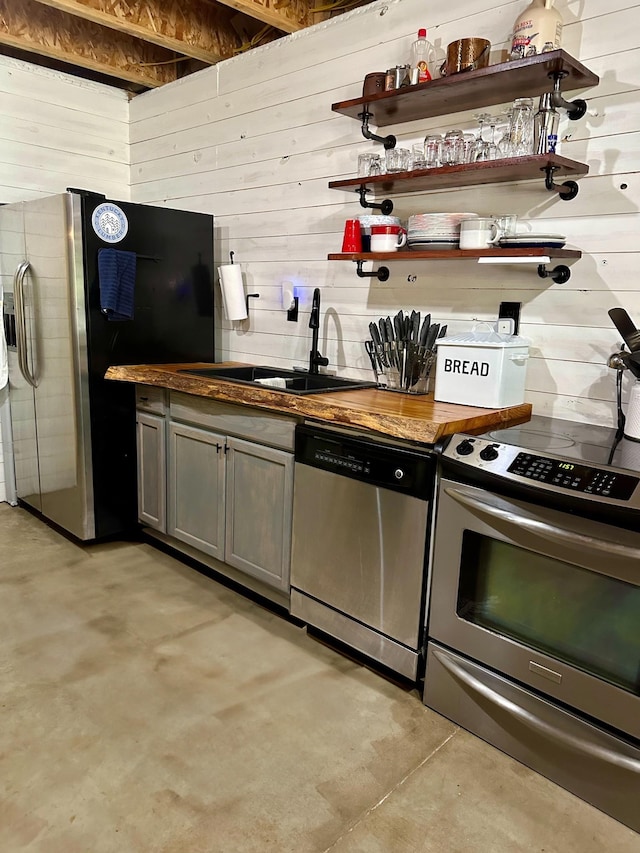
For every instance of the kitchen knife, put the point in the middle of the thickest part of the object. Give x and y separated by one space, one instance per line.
388 325
424 330
398 325
378 348
624 324
415 326
442 332
431 337
371 352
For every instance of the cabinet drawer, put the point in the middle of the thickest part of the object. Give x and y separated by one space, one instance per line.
150 399
253 424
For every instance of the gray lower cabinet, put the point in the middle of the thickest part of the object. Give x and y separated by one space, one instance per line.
151 470
196 488
259 498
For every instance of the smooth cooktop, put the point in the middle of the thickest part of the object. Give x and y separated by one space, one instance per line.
574 441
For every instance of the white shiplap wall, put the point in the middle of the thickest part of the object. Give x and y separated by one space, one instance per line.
254 141
58 131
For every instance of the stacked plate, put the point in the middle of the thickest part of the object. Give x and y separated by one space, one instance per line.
533 241
435 230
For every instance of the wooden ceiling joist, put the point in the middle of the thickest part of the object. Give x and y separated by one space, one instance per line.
30 26
197 28
286 15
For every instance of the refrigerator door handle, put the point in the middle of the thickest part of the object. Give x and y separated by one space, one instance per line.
21 323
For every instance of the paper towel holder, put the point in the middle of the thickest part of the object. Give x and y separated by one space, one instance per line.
248 297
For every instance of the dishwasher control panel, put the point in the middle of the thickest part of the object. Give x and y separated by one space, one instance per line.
400 469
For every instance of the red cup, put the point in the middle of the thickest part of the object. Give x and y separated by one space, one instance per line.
352 240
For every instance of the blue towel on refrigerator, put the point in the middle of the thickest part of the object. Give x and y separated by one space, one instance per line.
117 275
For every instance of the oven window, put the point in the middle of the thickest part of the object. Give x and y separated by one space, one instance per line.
580 617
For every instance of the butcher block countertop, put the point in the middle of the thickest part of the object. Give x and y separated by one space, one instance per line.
416 418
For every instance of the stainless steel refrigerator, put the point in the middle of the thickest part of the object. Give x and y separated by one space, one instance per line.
73 431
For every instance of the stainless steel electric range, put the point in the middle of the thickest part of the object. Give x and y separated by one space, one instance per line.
534 613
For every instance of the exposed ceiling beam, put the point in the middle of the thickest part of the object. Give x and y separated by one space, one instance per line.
197 28
286 15
35 28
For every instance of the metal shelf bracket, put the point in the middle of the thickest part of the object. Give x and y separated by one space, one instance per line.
382 273
575 109
385 207
567 191
560 274
388 141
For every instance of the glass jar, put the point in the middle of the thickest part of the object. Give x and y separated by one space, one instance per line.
521 127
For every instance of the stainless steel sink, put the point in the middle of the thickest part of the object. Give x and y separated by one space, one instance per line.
295 382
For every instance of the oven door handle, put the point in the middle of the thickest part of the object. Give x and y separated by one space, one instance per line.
560 735
547 531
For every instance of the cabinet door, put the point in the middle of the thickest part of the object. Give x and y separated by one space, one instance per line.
196 488
152 488
259 510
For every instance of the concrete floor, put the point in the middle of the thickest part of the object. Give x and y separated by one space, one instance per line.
148 709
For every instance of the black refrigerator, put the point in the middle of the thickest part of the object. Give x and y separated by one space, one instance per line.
73 431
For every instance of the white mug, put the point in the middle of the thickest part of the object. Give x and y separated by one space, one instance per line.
479 233
387 238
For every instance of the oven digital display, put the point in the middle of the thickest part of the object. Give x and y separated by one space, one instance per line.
576 478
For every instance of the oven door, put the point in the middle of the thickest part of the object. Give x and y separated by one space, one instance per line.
543 596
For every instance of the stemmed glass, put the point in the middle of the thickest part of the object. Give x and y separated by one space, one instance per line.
486 150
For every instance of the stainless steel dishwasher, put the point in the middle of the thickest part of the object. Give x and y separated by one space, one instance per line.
360 542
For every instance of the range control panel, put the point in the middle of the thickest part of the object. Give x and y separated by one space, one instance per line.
578 478
548 472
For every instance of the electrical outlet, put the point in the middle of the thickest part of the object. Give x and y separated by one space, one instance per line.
510 310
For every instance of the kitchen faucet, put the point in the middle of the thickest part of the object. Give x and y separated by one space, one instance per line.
315 358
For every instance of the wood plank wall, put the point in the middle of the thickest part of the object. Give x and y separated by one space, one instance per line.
253 140
58 131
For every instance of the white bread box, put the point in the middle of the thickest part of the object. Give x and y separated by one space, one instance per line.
485 369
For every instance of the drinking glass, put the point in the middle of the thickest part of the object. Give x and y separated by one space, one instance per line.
418 160
398 159
453 148
366 164
433 150
469 141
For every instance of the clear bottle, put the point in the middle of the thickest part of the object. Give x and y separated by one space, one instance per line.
537 30
421 56
546 126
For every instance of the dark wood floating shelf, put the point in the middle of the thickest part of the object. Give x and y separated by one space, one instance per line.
467 174
470 90
455 254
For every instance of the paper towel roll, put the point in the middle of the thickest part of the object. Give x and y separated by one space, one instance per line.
4 363
632 424
235 304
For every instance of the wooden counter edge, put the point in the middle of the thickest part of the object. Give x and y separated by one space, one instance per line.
418 419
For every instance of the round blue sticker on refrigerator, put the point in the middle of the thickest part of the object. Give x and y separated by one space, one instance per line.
110 222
